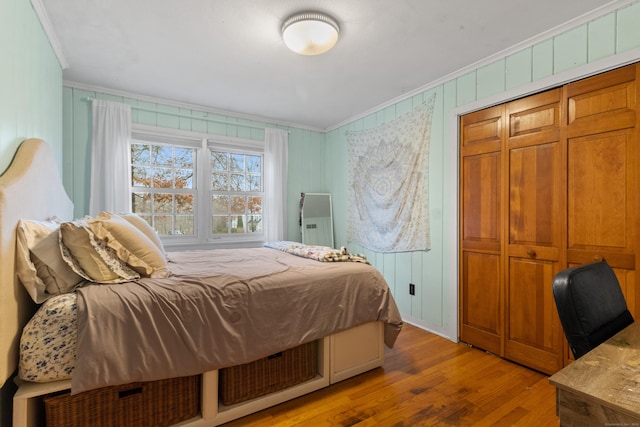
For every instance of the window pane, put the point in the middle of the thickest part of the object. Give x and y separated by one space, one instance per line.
237 163
254 224
184 178
219 182
184 203
140 154
255 204
140 176
163 224
253 164
141 203
219 161
183 157
237 182
237 224
162 155
220 204
253 183
163 203
219 225
238 204
162 177
184 225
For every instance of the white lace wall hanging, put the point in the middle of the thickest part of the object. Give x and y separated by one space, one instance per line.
388 201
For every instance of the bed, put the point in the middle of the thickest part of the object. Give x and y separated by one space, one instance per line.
346 342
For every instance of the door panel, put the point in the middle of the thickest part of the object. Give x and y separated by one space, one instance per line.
481 308
600 192
533 330
481 265
482 131
602 103
481 201
532 195
533 335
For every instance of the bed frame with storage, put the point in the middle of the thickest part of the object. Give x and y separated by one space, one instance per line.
31 188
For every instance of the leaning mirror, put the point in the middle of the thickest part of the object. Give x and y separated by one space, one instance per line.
316 219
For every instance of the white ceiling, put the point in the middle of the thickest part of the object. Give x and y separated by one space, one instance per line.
229 54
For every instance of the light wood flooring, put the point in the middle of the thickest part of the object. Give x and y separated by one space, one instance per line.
426 380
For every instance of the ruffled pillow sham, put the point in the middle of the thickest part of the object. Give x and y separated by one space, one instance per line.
91 257
130 245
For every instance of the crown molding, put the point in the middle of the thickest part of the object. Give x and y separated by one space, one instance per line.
185 105
43 17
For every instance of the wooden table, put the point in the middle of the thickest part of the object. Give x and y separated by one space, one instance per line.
602 387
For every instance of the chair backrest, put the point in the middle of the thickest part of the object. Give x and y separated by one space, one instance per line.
590 305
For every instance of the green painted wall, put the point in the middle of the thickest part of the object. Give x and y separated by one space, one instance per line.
434 272
30 82
306 147
30 101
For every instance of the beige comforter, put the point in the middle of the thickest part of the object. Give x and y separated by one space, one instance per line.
221 308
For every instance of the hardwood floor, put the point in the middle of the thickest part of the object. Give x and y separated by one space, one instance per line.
426 380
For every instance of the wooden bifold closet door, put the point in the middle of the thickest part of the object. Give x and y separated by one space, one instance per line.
547 181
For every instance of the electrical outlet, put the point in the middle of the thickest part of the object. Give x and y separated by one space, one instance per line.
412 289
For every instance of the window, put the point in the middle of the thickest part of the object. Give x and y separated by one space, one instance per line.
236 193
163 187
166 190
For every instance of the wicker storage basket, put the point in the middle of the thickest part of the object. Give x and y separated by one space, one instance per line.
154 403
263 376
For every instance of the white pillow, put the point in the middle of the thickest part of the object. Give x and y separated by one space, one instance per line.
39 263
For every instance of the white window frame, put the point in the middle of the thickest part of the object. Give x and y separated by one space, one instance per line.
246 147
203 144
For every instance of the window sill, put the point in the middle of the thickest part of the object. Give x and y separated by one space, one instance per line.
226 244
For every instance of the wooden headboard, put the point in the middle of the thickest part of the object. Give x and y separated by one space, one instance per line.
30 188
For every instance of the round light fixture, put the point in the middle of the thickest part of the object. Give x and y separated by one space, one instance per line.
310 33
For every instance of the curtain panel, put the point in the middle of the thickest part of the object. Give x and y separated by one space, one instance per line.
110 157
275 184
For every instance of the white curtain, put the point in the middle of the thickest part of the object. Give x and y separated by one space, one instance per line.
110 157
275 184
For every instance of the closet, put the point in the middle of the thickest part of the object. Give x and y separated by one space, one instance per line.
546 182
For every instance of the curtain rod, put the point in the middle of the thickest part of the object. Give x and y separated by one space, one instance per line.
186 116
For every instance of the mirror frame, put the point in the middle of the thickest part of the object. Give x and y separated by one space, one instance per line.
303 224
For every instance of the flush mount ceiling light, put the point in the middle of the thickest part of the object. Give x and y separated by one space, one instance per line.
310 33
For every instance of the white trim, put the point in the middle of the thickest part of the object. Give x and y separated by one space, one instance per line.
166 102
43 17
571 24
442 332
191 135
452 226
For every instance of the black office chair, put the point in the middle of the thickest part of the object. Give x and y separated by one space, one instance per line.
590 304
